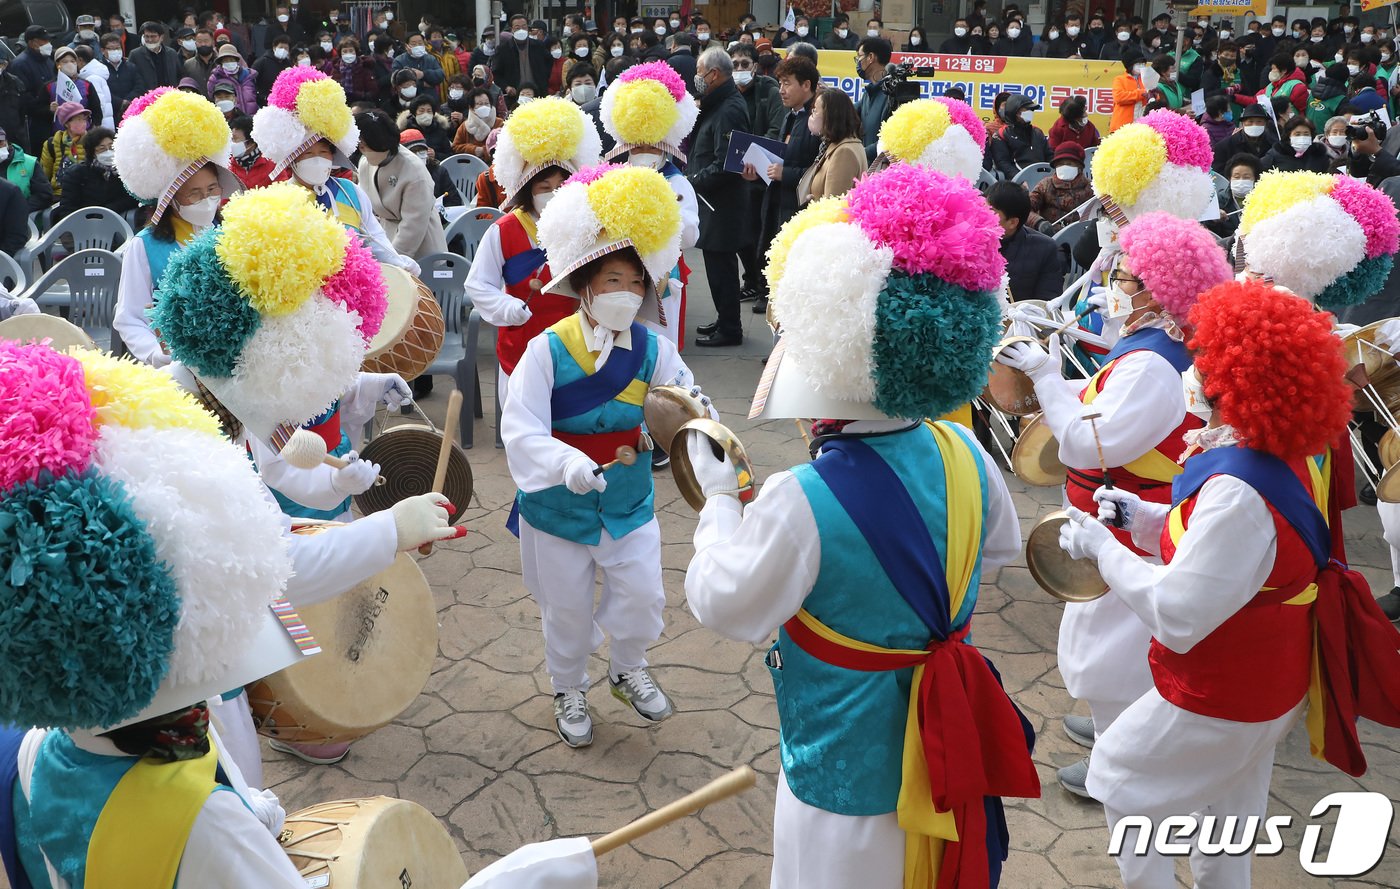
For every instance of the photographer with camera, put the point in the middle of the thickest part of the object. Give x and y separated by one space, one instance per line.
876 102
1368 159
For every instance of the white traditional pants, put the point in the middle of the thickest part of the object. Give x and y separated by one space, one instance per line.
1103 656
560 575
1390 527
816 849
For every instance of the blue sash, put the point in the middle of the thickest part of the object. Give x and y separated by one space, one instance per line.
10 739
1272 479
522 265
876 500
602 386
1153 340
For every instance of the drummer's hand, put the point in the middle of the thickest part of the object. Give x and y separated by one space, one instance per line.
356 478
1116 502
1083 536
516 313
579 477
423 519
1098 298
1030 358
268 809
715 475
393 391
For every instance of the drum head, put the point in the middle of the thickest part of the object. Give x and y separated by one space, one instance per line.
401 302
36 328
1008 388
1035 458
1389 449
376 842
407 457
1361 349
666 409
1070 580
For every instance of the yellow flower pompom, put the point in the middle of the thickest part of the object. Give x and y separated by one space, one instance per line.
637 204
643 112
546 130
278 246
822 212
910 129
321 106
138 396
187 126
1129 159
1277 191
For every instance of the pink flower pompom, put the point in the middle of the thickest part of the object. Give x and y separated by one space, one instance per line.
965 117
285 87
661 72
142 102
935 224
46 416
1177 259
1188 144
360 287
593 173
1373 211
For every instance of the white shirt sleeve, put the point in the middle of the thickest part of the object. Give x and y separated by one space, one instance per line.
1141 403
376 238
327 564
690 211
229 847
309 487
486 283
1221 562
135 294
535 457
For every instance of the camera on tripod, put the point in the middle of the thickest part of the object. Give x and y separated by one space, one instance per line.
896 83
1358 126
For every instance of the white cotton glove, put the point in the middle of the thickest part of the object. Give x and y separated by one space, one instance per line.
1033 359
1388 334
391 389
268 809
1083 536
423 519
1022 317
579 477
1115 503
516 313
1112 328
715 475
356 477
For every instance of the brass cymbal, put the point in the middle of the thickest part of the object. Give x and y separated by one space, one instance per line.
722 437
1069 580
1008 388
1361 348
1388 488
1035 458
666 409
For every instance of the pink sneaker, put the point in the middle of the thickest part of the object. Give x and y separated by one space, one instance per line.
316 754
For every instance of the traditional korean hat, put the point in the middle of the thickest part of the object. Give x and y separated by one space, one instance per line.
548 132
940 134
1158 163
165 137
648 105
304 107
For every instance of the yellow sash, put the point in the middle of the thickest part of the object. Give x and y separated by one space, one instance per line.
570 333
960 415
527 222
140 835
1153 465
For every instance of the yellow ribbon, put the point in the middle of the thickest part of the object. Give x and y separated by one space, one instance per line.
1153 465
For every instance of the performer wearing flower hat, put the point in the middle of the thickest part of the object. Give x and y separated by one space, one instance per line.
897 738
1251 617
1137 396
649 114
575 399
306 127
172 152
937 134
540 146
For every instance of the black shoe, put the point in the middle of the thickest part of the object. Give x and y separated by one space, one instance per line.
720 339
707 329
760 306
659 460
1390 604
750 293
1367 495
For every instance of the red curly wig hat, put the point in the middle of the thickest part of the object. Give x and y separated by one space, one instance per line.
1272 368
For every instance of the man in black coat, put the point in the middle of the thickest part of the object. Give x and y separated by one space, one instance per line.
1019 144
726 225
14 218
1033 263
154 64
521 59
681 58
35 70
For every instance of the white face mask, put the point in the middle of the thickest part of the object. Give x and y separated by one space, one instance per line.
348 58
1274 76
1316 38
556 53
283 18
803 31
614 310
1277 32
280 52
959 32
743 78
388 16
704 36
152 45
314 171
842 32
327 46
1194 391
616 52
4 154
114 55
1066 173
1054 35
566 31
1225 35
1123 36
1353 70
1347 29
635 31
225 105
69 68
659 30
583 93
1367 38
872 32
1300 143
107 158
188 45
424 120
1337 141
304 62
409 91
915 40
236 149
1120 304
1241 187
231 67
456 94
1138 69
523 100
1254 130
521 35
675 24
200 214
485 112
1301 61
1339 58
1013 33
540 201
581 52
417 52
650 161
1027 116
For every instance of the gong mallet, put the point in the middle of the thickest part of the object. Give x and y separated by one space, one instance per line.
449 436
1103 465
625 455
307 450
723 787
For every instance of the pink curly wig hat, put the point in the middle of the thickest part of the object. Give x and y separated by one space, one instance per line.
1177 259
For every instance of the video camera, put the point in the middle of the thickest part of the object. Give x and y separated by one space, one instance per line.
896 83
1358 126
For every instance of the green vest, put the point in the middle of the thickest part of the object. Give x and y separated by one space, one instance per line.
21 169
1322 110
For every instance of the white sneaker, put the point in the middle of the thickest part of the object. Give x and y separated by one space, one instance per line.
571 718
641 691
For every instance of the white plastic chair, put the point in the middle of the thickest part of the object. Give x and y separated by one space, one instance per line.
91 228
1029 176
471 227
91 277
12 277
463 169
1089 162
445 274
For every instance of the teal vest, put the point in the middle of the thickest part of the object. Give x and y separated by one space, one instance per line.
626 504
158 255
20 171
842 731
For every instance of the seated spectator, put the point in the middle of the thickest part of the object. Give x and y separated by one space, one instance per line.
14 223
1074 125
1020 143
189 85
249 165
23 171
1255 136
231 73
354 71
94 182
1334 139
1033 262
64 148
412 141
402 95
477 125
1214 120
1243 171
422 115
582 87
1055 199
840 36
1299 149
918 40
960 44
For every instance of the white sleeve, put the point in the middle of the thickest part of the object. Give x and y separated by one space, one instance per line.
327 564
229 848
1220 564
309 487
1001 544
357 407
135 293
690 211
671 369
486 283
535 457
376 238
1141 403
753 567
104 98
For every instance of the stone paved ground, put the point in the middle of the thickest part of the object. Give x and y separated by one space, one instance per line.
479 750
